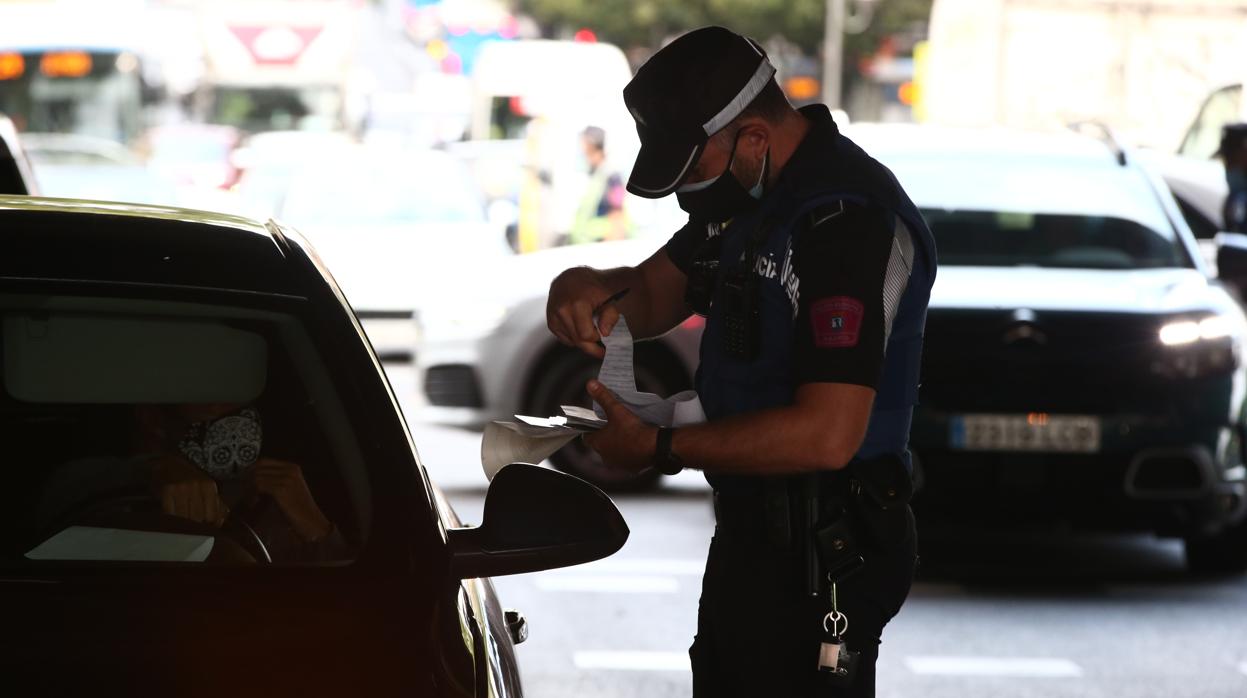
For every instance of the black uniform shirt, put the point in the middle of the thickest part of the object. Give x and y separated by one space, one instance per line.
851 270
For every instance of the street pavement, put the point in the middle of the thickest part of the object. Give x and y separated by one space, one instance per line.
993 613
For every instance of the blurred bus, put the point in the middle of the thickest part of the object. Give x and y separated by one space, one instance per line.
73 70
277 65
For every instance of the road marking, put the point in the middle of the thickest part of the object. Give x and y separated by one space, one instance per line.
632 661
608 584
680 567
1019 667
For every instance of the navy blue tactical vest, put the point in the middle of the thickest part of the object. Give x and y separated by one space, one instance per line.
844 172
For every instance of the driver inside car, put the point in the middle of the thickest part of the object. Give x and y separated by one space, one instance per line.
200 452
204 463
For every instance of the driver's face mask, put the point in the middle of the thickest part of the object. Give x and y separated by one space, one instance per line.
226 446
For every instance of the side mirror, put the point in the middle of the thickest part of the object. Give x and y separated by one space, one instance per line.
1232 260
537 519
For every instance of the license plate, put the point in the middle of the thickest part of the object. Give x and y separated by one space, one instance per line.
1037 432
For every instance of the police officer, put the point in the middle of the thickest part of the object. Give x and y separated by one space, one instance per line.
813 270
1233 152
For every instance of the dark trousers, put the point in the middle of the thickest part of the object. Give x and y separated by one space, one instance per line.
758 632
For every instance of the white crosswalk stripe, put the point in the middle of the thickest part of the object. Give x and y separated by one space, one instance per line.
632 661
1013 667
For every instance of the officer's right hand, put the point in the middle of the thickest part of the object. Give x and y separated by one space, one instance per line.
574 297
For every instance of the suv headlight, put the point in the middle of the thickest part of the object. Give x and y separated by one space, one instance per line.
1190 331
1200 346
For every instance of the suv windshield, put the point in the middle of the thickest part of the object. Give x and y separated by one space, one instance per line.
154 431
993 238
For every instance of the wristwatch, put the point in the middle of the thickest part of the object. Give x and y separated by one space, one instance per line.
667 462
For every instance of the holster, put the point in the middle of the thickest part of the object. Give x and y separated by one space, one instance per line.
880 489
860 510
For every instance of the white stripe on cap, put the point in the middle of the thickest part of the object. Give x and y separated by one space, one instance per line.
746 95
692 157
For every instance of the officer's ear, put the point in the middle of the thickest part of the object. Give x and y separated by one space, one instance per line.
754 138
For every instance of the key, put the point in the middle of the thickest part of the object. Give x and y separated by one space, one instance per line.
837 664
835 624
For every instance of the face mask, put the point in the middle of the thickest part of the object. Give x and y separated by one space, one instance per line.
720 198
224 447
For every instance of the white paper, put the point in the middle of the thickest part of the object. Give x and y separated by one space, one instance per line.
117 544
531 439
504 444
618 370
618 373
582 417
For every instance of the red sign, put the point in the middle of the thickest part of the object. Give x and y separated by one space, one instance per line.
275 45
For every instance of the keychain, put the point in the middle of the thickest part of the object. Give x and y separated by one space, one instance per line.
836 662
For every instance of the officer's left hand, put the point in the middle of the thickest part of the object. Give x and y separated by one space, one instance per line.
625 442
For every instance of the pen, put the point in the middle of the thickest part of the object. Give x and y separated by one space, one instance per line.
615 297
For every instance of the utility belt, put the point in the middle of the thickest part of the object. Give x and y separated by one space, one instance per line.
839 518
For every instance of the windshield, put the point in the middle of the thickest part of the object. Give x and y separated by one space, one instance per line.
153 431
993 238
90 93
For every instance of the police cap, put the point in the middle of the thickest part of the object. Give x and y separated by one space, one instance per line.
684 94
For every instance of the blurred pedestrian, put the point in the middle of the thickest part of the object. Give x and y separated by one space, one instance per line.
813 270
600 215
1233 152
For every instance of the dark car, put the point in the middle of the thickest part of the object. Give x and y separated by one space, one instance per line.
15 174
1080 364
150 354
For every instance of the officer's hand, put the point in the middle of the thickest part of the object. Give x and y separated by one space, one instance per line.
625 442
574 296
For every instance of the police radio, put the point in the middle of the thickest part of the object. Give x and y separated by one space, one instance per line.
741 326
737 292
703 276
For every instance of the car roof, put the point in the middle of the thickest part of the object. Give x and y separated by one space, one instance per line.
77 240
1012 170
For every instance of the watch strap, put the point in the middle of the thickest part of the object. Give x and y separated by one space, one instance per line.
667 462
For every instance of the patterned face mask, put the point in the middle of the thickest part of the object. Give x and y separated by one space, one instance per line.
226 446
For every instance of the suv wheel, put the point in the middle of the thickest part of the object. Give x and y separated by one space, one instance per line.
562 382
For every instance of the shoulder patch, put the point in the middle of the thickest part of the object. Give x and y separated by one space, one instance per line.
836 322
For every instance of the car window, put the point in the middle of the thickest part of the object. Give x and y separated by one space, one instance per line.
141 431
994 238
